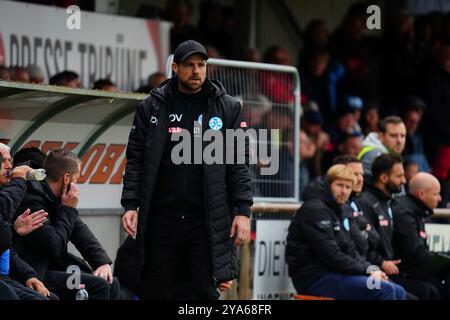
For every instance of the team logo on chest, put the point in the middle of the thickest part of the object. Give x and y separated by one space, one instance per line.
215 123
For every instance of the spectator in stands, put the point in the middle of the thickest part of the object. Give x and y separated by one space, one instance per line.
358 55
277 87
251 54
436 88
210 22
320 253
105 85
4 73
411 169
180 13
227 33
311 123
321 76
307 151
316 36
423 38
400 65
412 112
45 249
351 146
345 125
155 79
36 74
66 78
410 237
390 139
370 118
19 74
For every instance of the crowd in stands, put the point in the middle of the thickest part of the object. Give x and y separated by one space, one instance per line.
348 80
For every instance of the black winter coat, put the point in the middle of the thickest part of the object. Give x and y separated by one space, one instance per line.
318 240
10 197
225 185
363 234
410 238
375 207
46 248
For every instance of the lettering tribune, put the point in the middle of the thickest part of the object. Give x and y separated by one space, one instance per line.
231 146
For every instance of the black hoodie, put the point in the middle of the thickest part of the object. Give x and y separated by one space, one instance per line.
318 240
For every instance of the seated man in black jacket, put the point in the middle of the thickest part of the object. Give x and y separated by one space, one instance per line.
375 203
362 232
18 281
46 248
321 257
410 237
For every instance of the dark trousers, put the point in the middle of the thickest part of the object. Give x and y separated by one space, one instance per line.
348 287
6 292
13 290
169 239
423 290
97 288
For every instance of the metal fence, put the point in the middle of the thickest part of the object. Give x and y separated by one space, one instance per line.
270 96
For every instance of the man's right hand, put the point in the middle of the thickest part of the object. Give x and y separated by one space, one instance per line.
390 267
129 222
70 195
27 223
20 172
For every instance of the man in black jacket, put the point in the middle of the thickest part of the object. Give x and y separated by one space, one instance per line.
410 237
18 280
321 257
375 203
45 249
362 232
202 209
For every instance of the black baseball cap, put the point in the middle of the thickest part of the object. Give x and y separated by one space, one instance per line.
187 48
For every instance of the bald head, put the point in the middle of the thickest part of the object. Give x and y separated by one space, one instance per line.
426 188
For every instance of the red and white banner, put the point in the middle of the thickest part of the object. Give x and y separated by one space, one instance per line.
124 49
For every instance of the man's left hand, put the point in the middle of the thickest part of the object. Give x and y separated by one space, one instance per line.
104 272
240 228
225 286
38 286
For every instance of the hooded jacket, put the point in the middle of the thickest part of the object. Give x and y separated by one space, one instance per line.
227 187
372 148
318 240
